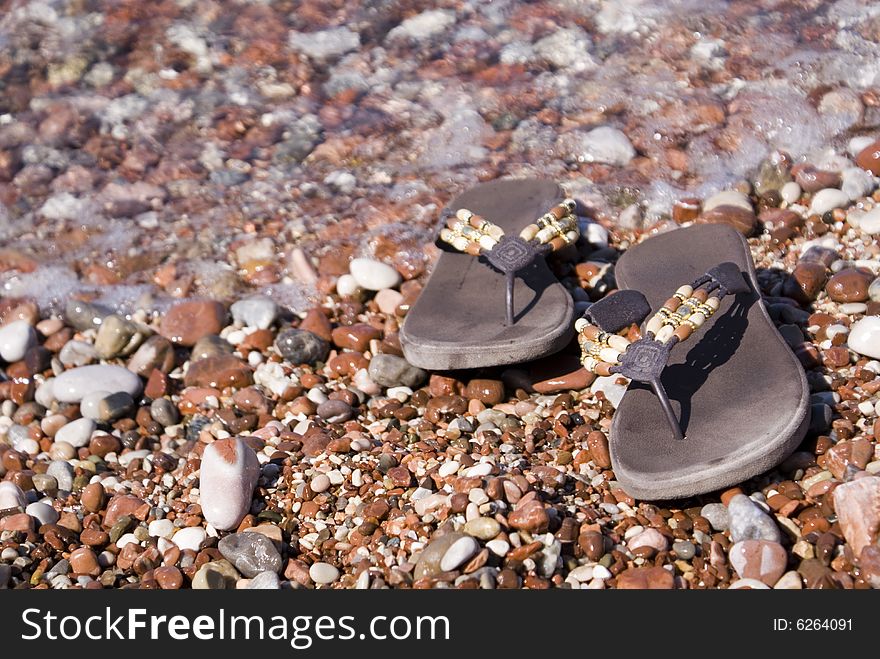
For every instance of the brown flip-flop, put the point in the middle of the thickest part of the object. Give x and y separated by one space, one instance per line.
491 298
716 396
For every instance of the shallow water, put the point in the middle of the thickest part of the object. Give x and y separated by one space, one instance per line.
141 147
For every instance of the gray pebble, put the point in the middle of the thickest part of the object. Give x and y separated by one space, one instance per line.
210 345
164 412
683 549
251 553
749 522
84 315
335 411
301 346
717 515
265 581
392 371
62 471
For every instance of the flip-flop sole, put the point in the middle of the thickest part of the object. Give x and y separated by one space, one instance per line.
739 391
458 322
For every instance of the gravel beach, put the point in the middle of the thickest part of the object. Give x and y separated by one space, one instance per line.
215 216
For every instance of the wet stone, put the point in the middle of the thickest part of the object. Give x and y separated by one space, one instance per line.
301 346
250 553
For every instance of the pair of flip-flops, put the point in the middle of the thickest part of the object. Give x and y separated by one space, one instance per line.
716 396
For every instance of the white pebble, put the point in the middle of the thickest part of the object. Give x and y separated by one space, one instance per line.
128 538
71 386
460 551
373 275
864 336
11 496
727 198
258 311
229 473
790 192
191 537
498 547
320 483
870 222
161 528
43 512
346 286
827 200
16 339
76 433
323 573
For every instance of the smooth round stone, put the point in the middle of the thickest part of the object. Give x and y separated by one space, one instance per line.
459 551
323 573
850 309
43 512
301 346
76 433
790 192
684 550
161 528
258 311
116 336
191 537
388 300
728 198
45 483
251 553
71 386
216 575
870 222
11 496
650 538
428 563
856 182
392 371
749 522
827 200
484 528
164 412
864 336
229 473
373 275
716 514
16 339
604 144
848 285
265 581
62 471
320 483
346 286
77 353
104 406
759 559
789 581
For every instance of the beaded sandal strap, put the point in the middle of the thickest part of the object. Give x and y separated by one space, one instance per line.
604 352
473 234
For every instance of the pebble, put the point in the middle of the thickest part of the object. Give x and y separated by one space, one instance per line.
373 275
323 573
827 200
116 336
190 537
84 561
71 386
76 433
63 473
219 371
393 371
728 198
77 353
869 158
168 577
228 476
11 496
320 483
749 522
484 528
216 575
458 552
388 300
759 559
684 549
790 192
104 406
604 144
156 352
649 538
251 553
265 581
740 219
856 182
258 311
187 322
864 336
347 286
161 528
301 346
857 505
428 562
16 339
848 285
83 315
164 412
612 391
789 581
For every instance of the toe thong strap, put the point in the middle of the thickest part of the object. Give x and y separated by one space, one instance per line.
475 235
605 353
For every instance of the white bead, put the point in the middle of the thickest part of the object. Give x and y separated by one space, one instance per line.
590 363
617 342
609 355
446 235
685 290
487 242
546 235
696 319
665 333
460 243
529 232
713 303
580 324
463 214
495 231
654 325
